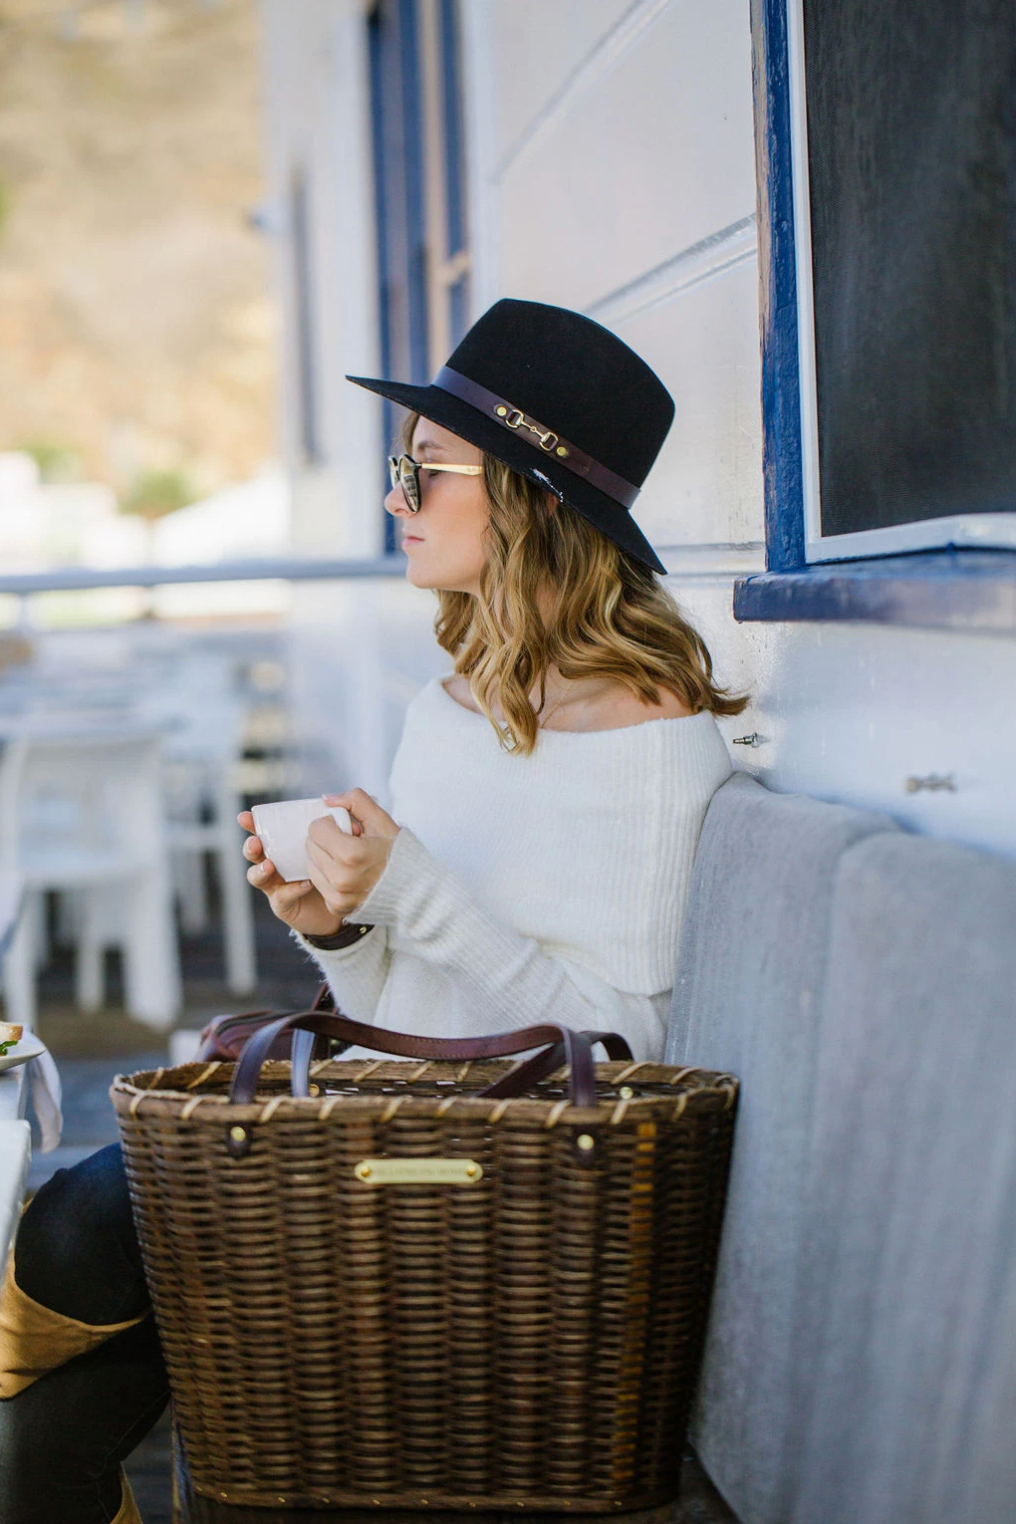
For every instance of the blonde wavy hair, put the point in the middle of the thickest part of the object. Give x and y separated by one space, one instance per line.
609 616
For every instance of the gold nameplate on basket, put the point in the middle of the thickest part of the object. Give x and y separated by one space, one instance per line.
418 1171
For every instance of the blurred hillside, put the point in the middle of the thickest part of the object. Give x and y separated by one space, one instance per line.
136 329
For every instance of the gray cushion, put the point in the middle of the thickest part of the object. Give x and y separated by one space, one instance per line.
906 1341
747 1000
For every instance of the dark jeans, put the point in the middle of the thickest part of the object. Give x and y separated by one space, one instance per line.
63 1438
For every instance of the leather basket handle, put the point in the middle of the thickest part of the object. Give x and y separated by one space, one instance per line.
532 1070
574 1048
515 1082
557 1043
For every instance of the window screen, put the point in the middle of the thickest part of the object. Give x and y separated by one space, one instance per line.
911 123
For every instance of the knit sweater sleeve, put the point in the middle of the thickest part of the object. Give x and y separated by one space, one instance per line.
356 975
504 975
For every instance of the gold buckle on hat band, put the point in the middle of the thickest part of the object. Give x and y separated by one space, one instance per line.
515 418
560 450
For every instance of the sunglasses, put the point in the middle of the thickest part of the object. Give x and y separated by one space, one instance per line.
405 473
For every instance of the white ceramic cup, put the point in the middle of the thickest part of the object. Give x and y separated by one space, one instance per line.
283 829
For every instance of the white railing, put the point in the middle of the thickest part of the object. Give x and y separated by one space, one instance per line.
689 563
257 569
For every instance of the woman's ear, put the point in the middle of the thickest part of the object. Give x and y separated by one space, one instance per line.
550 502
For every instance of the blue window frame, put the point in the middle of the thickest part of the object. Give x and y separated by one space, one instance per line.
422 258
849 186
397 132
456 237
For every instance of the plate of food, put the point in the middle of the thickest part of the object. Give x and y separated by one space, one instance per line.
15 1047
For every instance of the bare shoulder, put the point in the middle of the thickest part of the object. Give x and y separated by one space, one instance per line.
616 708
457 687
600 706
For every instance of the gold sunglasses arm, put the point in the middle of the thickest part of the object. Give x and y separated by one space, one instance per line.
426 465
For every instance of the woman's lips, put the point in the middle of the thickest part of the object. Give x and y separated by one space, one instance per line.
412 539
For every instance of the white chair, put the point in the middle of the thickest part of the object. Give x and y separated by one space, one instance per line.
202 747
82 813
203 819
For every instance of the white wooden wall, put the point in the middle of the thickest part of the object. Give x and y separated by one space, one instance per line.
595 175
348 641
611 168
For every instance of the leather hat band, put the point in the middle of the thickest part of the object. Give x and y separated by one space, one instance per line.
561 451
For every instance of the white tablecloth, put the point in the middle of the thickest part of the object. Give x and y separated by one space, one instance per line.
15 1153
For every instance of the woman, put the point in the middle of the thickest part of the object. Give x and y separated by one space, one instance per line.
549 795
565 645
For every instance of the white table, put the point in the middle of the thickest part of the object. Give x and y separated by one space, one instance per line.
15 1153
15 1133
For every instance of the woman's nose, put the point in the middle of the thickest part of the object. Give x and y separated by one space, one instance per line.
395 502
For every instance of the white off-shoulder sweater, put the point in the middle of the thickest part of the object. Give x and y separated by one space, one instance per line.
527 889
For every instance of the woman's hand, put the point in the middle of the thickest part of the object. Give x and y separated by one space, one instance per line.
298 904
344 869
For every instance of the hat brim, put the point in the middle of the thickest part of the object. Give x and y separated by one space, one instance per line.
441 407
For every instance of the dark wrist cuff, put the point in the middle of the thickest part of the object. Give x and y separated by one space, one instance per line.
344 937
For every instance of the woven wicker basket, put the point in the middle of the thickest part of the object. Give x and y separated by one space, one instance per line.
519 1331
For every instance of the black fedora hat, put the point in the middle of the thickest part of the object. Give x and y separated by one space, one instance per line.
561 400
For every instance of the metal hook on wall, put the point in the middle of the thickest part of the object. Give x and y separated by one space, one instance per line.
933 783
